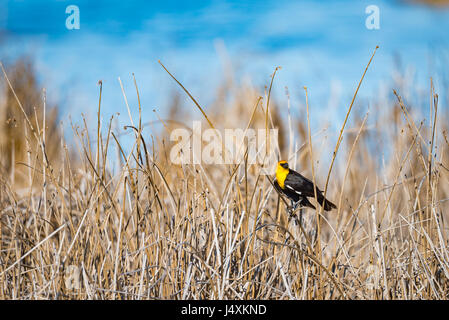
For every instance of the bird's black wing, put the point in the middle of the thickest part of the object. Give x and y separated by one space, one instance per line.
292 195
300 183
305 188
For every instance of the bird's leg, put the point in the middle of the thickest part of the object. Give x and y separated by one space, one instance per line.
298 221
296 204
293 214
292 208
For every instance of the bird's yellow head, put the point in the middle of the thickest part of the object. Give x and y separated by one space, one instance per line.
281 172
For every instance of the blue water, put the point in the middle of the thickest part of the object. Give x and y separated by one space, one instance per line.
323 45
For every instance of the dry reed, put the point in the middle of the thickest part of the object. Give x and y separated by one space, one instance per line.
156 230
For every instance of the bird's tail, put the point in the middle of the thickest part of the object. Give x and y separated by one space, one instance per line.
326 204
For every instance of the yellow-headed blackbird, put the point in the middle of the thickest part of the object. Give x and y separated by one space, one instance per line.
297 188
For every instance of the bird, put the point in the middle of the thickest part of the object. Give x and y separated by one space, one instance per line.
297 188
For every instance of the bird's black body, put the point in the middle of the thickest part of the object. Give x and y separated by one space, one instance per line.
297 188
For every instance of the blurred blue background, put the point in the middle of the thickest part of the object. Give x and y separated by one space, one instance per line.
323 45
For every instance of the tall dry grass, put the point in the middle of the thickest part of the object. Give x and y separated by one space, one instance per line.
19 139
155 230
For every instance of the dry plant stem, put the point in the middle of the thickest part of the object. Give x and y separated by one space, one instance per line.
267 110
209 231
188 93
311 257
317 240
340 136
34 248
18 102
339 207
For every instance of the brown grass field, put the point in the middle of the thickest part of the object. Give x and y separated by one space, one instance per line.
73 228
